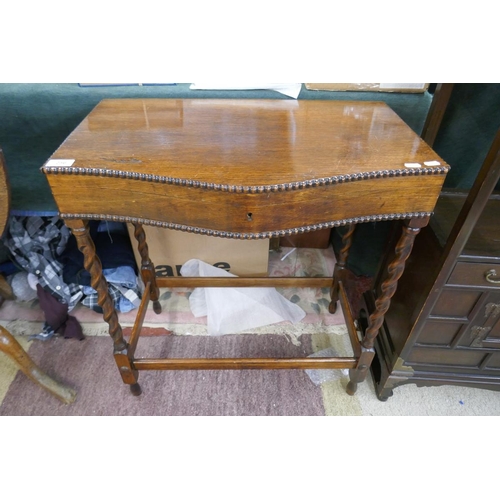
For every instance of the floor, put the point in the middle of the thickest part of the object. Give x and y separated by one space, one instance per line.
326 331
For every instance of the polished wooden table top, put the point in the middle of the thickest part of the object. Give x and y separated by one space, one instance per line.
244 142
273 148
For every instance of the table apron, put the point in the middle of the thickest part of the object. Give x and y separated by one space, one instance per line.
245 212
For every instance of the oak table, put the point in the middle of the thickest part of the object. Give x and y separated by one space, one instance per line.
244 169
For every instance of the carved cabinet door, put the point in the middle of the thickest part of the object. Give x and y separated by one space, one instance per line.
484 330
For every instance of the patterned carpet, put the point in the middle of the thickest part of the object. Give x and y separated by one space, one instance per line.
24 317
88 366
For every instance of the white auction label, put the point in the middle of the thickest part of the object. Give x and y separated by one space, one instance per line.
432 163
412 165
59 163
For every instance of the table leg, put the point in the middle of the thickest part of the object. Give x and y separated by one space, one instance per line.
340 266
388 288
147 267
12 348
93 265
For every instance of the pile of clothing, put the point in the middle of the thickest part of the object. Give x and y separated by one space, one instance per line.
46 253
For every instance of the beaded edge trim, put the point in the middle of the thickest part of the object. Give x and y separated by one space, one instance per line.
323 181
250 236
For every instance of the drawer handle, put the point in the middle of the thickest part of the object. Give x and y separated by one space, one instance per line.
490 275
479 334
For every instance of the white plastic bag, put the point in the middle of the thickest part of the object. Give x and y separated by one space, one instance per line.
232 310
319 376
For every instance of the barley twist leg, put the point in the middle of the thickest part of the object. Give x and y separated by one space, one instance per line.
340 266
388 288
147 267
93 265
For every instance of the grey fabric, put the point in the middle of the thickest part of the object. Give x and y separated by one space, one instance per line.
35 244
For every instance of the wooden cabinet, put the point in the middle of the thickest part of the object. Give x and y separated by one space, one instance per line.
443 326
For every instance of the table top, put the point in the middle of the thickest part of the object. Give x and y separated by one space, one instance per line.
244 168
244 141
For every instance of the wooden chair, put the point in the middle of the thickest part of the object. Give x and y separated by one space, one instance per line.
8 344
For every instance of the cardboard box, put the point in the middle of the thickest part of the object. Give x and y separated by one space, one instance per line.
170 249
370 87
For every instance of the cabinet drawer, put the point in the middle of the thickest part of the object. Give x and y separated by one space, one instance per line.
483 275
445 357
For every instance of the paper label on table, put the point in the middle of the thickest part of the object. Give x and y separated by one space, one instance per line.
59 163
412 165
432 163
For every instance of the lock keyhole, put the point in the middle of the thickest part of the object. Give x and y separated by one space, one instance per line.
249 216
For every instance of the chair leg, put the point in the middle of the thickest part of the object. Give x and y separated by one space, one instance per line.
12 348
